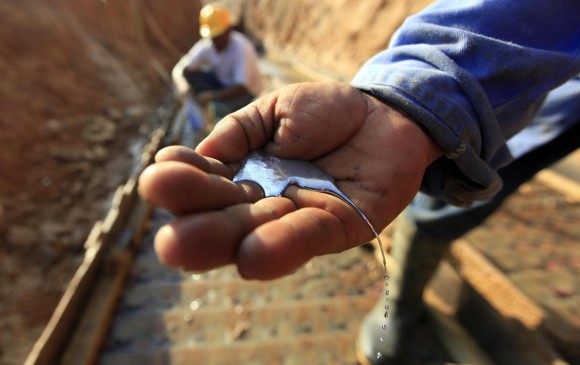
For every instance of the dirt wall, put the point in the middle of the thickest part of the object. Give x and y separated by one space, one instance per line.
59 58
336 36
79 79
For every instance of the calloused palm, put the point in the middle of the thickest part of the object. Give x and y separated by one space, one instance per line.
376 155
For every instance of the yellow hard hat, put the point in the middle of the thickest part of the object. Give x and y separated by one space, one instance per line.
213 21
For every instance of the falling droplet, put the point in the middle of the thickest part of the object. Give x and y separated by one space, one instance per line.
187 318
194 305
195 277
211 295
386 278
170 327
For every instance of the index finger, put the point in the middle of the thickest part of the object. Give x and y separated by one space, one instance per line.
190 157
301 121
238 133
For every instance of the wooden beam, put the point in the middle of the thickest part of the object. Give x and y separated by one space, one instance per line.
570 188
493 285
85 345
509 325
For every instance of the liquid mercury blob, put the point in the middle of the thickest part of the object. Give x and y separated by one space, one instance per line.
274 175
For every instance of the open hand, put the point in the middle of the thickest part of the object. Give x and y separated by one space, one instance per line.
376 155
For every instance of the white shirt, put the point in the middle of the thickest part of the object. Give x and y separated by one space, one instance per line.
237 64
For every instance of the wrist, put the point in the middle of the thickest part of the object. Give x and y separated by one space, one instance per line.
402 133
434 151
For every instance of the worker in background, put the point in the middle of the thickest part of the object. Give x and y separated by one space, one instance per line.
221 69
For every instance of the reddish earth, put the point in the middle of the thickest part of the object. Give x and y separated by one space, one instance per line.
77 95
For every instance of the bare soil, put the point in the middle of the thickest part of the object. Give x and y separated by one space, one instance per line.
77 98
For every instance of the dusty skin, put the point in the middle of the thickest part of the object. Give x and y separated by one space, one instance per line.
363 144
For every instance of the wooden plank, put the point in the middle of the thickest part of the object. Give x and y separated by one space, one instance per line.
53 341
88 277
508 324
570 188
506 341
493 285
85 345
56 334
95 235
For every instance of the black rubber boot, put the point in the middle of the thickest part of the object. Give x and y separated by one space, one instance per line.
417 257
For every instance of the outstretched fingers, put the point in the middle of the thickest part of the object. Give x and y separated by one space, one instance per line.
204 241
279 247
322 224
266 240
182 188
189 156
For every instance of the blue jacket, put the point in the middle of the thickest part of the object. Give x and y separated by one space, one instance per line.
474 73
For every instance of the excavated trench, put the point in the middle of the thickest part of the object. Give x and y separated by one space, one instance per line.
80 96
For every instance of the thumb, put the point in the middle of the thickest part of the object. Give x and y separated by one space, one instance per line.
242 131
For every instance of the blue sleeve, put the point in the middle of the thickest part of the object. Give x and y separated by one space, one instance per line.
473 73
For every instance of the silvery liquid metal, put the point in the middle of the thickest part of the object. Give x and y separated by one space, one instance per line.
274 175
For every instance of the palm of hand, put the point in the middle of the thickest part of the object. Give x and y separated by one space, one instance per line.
355 139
